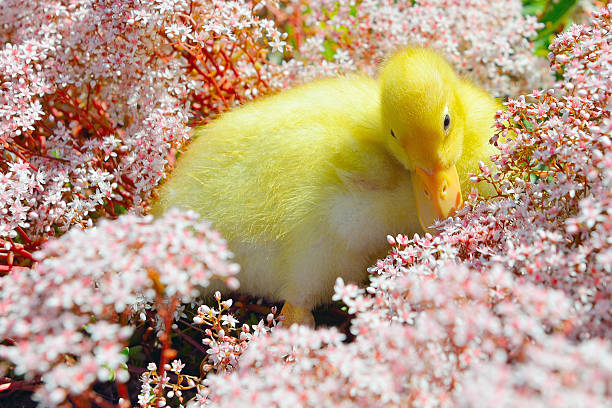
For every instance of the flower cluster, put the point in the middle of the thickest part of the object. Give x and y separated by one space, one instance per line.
487 41
96 95
153 384
222 45
61 318
556 161
225 341
425 337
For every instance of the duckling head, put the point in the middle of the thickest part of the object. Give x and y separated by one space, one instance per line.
423 118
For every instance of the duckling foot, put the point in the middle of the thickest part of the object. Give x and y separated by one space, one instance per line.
295 314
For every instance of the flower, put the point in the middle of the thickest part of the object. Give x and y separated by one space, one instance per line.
107 269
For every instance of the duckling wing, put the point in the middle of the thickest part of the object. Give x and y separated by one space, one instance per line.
257 171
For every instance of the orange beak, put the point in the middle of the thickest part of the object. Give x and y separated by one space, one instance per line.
438 194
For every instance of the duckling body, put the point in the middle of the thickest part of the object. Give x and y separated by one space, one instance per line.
305 187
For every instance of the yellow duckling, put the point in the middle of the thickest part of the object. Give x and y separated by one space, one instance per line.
306 184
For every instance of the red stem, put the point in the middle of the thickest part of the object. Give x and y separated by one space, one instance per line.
24 235
24 253
124 394
167 313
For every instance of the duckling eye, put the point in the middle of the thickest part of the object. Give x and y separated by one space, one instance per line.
393 134
446 122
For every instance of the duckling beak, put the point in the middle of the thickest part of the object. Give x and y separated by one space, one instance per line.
437 193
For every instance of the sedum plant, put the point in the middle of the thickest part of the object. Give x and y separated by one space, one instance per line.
509 302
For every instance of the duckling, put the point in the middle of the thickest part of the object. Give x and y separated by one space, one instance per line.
305 184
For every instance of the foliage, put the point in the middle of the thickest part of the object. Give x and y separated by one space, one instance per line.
555 16
334 37
96 94
66 318
509 302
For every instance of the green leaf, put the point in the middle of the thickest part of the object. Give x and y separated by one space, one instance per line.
555 15
119 209
329 50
